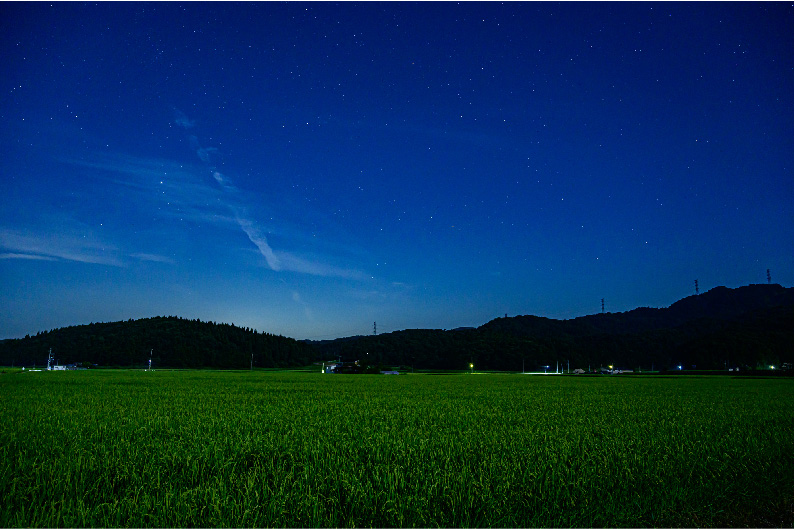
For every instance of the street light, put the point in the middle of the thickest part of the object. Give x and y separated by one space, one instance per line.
471 368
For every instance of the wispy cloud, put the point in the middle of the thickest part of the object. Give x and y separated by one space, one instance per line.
260 241
277 260
172 187
152 258
67 240
69 244
293 263
202 194
307 311
219 178
27 256
204 153
182 120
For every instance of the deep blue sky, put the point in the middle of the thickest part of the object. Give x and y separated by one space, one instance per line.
307 169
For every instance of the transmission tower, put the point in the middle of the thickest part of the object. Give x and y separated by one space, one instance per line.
374 331
768 276
603 305
696 287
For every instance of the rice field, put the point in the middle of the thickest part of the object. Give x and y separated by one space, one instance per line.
299 449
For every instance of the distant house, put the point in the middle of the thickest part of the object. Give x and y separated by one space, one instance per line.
330 368
353 368
68 367
616 371
341 367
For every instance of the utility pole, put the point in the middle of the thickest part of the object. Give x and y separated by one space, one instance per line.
252 362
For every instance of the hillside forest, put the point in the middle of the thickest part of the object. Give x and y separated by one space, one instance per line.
749 327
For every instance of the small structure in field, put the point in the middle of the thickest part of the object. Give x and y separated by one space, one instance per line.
330 368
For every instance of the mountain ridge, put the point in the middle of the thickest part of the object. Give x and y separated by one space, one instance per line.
744 326
719 303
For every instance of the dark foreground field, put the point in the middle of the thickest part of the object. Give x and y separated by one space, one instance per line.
135 448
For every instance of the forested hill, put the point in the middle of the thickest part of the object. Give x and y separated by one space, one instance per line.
744 327
174 342
720 303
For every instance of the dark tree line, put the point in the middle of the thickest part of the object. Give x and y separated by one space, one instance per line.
174 342
745 327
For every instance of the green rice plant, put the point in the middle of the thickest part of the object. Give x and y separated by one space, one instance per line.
181 448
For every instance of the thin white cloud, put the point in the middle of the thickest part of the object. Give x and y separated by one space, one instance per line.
128 165
220 179
68 245
261 242
152 258
202 195
67 240
27 256
293 263
182 120
303 304
277 261
169 186
206 152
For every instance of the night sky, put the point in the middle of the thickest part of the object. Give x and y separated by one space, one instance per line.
308 169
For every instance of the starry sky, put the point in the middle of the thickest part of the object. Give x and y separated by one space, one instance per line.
307 169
